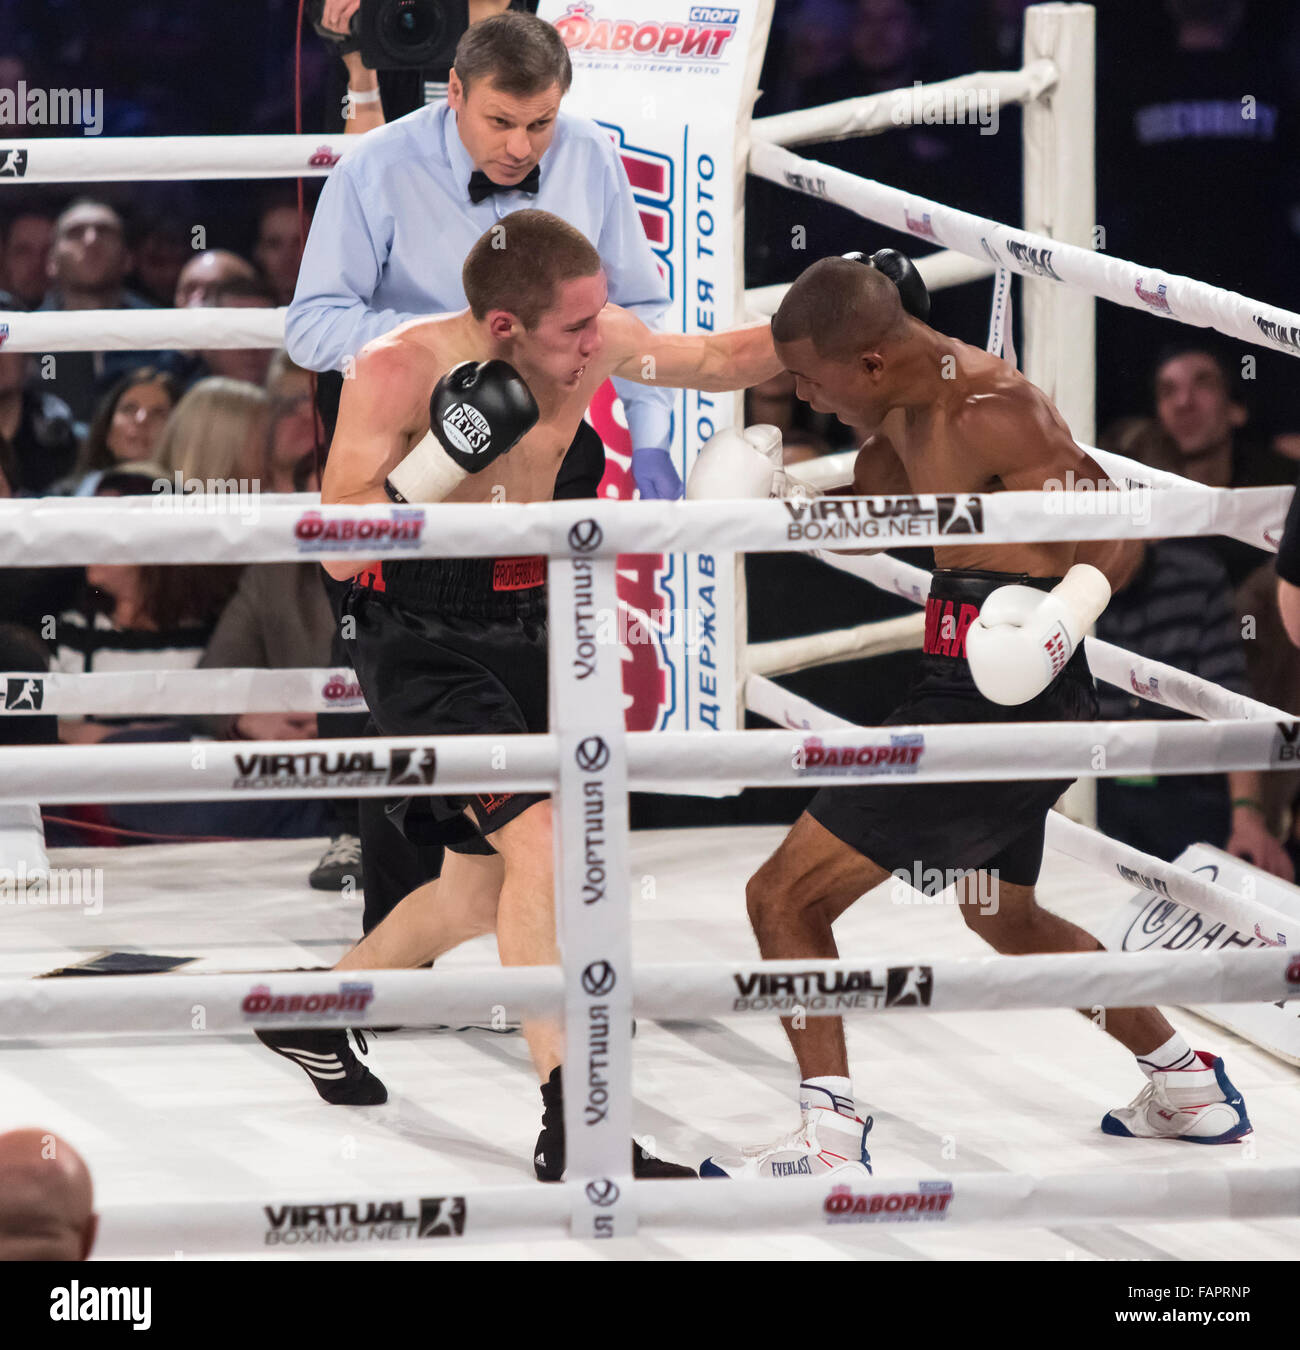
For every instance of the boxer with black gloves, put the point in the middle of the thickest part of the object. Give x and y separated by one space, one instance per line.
1004 626
478 406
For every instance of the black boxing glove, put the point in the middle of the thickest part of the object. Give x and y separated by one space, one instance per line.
476 414
900 269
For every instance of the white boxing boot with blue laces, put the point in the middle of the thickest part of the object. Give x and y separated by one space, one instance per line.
827 1141
1198 1104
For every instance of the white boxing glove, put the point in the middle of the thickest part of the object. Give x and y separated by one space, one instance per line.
1023 637
734 463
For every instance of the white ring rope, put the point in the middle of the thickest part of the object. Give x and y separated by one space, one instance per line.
183 693
870 114
152 159
252 527
1152 680
1270 926
239 1001
269 1224
1165 294
658 761
115 330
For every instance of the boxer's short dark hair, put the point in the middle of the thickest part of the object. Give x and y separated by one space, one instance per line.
518 264
521 54
842 306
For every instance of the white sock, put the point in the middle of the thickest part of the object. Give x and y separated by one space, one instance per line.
1175 1053
828 1091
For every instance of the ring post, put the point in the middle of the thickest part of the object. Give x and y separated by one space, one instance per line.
591 882
1059 334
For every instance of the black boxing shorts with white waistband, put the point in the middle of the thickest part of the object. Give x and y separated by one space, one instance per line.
453 647
929 829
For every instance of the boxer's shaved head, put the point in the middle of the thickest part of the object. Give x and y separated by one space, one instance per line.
520 263
842 307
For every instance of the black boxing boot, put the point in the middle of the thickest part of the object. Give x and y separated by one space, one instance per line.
548 1156
327 1059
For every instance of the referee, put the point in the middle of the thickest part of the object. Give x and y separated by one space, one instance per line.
391 230
400 212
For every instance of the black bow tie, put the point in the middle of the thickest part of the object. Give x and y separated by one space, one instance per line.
481 186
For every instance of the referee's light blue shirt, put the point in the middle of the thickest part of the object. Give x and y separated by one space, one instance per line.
395 223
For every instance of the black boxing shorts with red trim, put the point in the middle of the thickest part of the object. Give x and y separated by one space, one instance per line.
938 828
453 647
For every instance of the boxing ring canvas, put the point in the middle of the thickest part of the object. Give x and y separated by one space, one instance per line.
213 1117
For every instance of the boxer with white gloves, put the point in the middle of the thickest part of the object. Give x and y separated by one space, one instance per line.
1003 634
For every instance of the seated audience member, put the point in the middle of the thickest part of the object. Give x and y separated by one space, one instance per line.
160 251
278 248
236 363
1201 409
88 266
217 434
293 425
127 426
137 617
1178 608
47 1200
206 273
38 435
25 244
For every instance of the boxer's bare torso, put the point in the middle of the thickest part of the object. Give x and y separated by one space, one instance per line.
399 372
384 409
986 429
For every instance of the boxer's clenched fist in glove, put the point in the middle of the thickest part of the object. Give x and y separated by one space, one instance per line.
1023 637
734 463
477 413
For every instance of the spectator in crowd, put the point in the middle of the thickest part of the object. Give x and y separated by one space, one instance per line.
237 363
127 426
1178 608
88 266
137 617
207 273
161 250
291 453
278 248
217 433
47 1200
38 437
24 257
808 45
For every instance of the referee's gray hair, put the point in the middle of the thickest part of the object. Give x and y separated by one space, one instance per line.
521 54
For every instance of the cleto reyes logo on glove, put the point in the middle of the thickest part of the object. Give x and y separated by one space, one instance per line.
466 428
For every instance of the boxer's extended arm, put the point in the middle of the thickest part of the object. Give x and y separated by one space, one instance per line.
714 362
382 406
